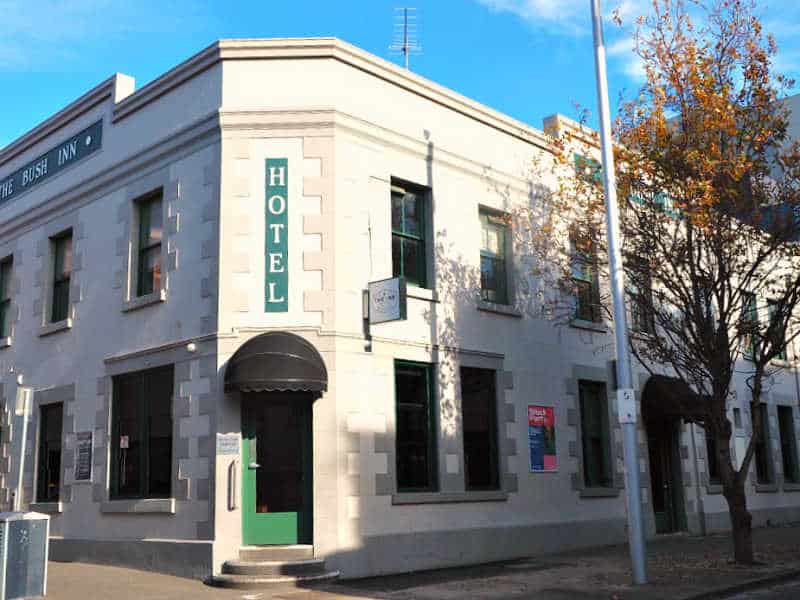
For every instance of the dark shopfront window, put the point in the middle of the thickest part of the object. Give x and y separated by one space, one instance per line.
142 434
416 427
49 468
595 435
762 453
479 410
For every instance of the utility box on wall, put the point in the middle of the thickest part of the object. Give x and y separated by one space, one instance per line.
23 554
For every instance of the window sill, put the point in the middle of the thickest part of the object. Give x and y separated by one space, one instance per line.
405 498
500 309
714 489
766 488
791 487
144 505
419 293
142 301
588 325
52 328
47 507
5 342
598 492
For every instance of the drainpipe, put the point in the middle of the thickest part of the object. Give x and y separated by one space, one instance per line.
701 510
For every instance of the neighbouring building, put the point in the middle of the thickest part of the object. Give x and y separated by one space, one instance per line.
182 276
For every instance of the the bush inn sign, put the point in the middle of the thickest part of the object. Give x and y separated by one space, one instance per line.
51 162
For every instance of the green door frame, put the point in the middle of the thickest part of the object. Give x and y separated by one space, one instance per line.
280 527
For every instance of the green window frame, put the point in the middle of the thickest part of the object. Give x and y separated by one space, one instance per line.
6 267
415 429
595 435
48 480
151 229
479 429
494 267
409 246
791 474
750 320
141 434
585 280
773 309
641 292
62 275
763 453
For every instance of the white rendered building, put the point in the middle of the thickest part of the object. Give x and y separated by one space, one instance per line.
182 270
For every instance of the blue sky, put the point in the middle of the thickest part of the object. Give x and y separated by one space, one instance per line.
527 58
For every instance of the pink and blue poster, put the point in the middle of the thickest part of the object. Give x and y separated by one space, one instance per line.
542 438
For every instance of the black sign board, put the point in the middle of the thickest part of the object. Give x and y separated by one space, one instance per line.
83 456
51 162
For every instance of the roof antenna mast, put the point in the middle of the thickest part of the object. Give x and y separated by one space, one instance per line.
405 39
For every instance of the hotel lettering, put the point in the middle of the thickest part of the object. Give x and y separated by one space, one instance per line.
276 232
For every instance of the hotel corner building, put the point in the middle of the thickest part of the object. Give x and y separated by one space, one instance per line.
183 274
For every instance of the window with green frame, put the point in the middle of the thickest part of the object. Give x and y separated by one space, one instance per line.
750 323
141 434
479 424
641 294
5 297
150 220
595 435
584 278
49 460
762 456
494 268
62 274
780 334
415 435
409 249
791 474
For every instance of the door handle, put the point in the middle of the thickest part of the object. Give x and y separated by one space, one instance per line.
253 454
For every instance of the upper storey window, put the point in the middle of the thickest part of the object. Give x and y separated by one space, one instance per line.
409 248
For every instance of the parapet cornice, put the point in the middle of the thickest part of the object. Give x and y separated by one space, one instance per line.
328 48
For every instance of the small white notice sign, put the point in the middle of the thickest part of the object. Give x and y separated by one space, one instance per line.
626 405
387 300
227 444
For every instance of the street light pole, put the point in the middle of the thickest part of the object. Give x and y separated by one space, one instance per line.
626 404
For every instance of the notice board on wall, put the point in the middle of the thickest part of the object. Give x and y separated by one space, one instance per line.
542 438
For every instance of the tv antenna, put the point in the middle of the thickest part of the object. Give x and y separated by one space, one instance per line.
406 30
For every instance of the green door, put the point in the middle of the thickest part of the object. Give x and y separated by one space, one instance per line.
276 468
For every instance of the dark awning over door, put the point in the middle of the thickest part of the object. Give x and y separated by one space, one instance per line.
276 362
670 398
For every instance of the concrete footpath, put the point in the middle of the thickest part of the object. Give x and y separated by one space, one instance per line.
679 567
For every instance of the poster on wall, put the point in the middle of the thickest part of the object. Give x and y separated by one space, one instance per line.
542 438
83 456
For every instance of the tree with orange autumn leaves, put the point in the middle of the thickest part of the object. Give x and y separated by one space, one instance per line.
710 219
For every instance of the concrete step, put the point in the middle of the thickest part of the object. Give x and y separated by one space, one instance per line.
276 553
255 582
274 568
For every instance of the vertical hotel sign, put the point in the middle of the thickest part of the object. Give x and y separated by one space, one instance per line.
276 236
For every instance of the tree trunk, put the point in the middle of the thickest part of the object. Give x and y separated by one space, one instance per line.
741 523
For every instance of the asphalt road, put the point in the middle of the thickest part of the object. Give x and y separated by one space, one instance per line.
785 591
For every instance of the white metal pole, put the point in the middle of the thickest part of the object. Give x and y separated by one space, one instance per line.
626 406
23 408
